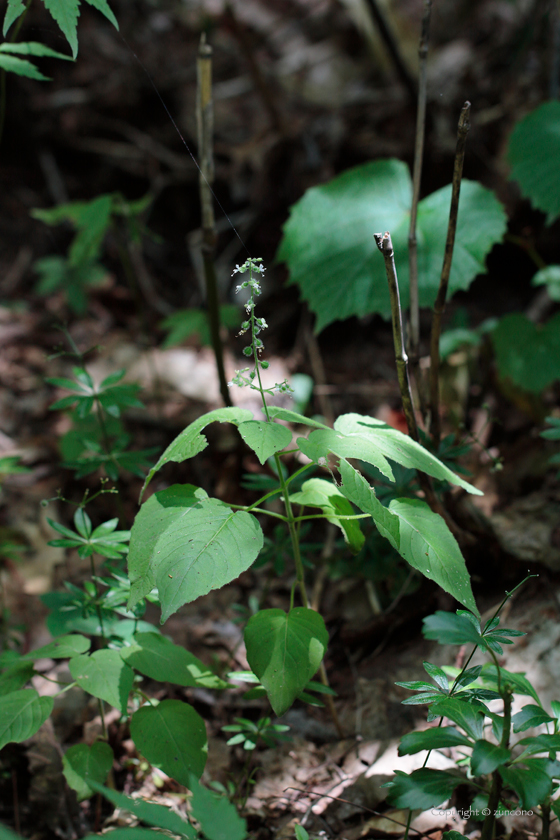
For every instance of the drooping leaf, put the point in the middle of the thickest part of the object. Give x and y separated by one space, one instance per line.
191 441
105 675
532 785
526 353
66 13
486 757
172 736
318 493
427 544
529 717
534 156
360 493
148 812
423 788
329 247
450 629
285 650
14 10
265 438
83 763
21 715
103 7
432 739
188 545
217 816
160 659
64 647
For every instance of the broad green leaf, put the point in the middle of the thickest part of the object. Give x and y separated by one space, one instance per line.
162 660
534 156
400 448
172 737
526 353
531 785
217 816
486 757
530 716
322 441
520 683
360 493
541 743
285 650
148 812
33 48
438 675
427 544
105 675
21 715
83 763
322 494
191 441
61 648
187 545
329 247
12 64
432 739
14 10
467 716
103 7
450 629
265 438
423 788
15 676
289 416
65 13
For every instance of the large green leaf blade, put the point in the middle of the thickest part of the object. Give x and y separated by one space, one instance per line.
21 715
265 438
425 788
427 544
12 64
172 736
486 757
15 9
466 715
526 353
217 816
66 13
285 650
160 659
319 493
534 156
105 675
432 739
323 441
531 785
83 763
103 7
191 441
63 647
148 812
359 492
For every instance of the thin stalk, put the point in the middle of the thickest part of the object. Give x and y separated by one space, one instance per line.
496 787
414 335
205 124
439 306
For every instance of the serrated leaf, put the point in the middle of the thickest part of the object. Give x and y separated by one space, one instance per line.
531 785
105 675
217 816
285 650
329 247
148 812
424 788
528 354
172 737
61 648
438 675
432 739
83 763
22 713
400 448
323 441
467 716
14 10
191 441
450 629
534 157
541 743
529 717
103 7
486 757
162 660
427 544
265 438
322 494
33 48
66 13
12 64
187 545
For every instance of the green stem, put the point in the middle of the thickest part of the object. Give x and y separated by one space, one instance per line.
97 607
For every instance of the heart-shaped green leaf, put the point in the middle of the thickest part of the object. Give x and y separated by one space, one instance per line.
265 438
83 763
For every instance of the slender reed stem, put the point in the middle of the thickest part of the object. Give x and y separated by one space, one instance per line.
205 123
439 306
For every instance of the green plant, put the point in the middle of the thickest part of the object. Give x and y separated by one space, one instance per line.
500 776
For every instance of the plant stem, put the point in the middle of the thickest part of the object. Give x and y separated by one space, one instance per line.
545 832
205 122
439 306
414 336
496 788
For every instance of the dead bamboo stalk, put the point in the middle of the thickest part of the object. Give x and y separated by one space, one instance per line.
439 306
205 126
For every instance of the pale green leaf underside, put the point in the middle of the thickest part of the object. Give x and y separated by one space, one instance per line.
265 438
534 155
322 494
162 660
172 736
21 715
83 763
323 441
285 650
186 545
105 675
191 441
329 247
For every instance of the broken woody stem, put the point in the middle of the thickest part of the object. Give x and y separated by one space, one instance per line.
439 306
